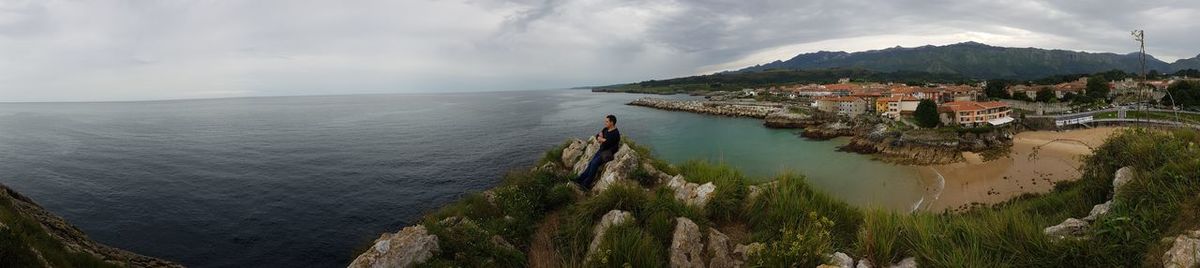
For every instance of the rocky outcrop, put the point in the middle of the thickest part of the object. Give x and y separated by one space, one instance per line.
659 176
1184 252
610 219
909 262
1071 227
691 193
1076 228
786 119
1098 210
828 131
406 248
590 147
744 251
686 248
754 191
922 147
70 237
1123 176
839 260
573 151
736 109
624 162
719 251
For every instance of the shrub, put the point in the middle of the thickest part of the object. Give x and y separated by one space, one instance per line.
798 246
926 114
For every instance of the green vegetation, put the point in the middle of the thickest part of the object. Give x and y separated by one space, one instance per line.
23 239
1045 95
466 228
1097 87
927 114
1185 93
799 226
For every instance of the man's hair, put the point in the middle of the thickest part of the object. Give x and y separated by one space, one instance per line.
612 118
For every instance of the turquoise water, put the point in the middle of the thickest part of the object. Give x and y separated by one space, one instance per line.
757 151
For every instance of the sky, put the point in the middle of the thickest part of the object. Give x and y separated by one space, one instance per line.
101 50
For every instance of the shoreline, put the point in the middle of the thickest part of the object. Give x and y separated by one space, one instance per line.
959 186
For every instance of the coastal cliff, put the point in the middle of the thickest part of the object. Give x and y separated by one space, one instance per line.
698 214
30 236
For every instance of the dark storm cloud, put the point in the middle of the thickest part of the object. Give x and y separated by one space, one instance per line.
120 50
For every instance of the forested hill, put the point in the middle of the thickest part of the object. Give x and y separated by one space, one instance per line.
976 60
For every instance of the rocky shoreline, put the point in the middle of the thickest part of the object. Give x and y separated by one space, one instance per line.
868 134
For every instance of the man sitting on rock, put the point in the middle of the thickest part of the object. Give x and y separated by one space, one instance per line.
610 141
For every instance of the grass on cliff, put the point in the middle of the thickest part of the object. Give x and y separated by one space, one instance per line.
493 229
1160 202
799 226
23 239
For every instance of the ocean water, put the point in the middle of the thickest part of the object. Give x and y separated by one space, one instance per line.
305 181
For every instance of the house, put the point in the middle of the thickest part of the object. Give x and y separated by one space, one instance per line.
1029 91
1122 87
841 89
970 113
894 107
1076 87
922 93
959 93
845 105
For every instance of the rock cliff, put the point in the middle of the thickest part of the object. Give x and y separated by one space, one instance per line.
26 213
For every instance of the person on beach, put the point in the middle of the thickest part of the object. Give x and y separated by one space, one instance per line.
610 141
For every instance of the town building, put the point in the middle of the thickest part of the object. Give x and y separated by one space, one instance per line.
971 113
844 105
894 107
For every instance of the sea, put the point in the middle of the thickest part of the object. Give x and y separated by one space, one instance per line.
308 181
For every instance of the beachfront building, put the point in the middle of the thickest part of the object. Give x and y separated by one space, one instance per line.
844 105
894 107
971 113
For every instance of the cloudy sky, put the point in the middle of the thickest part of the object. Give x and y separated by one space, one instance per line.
138 50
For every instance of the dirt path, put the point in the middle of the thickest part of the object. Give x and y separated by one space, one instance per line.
541 249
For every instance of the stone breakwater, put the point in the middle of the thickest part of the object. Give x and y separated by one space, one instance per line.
735 109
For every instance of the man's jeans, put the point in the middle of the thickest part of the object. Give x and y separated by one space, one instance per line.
588 176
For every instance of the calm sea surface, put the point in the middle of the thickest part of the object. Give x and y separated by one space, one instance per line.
304 181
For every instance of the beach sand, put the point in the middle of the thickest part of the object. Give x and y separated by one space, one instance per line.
975 181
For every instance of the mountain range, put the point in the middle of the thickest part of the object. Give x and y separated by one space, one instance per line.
976 60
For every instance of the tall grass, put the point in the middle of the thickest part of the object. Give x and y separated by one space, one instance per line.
726 202
784 206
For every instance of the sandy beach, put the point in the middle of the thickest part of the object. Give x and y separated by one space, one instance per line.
956 186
